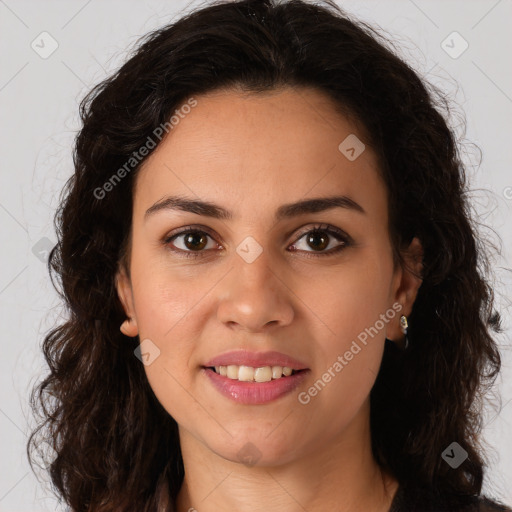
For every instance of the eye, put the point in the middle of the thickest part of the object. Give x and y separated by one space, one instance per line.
191 242
318 239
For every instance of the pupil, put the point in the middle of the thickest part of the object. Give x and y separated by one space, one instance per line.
323 244
192 238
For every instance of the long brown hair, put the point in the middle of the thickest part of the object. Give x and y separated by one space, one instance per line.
113 446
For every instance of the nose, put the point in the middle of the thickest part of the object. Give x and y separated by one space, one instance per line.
255 297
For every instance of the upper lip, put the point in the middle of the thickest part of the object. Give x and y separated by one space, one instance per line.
255 359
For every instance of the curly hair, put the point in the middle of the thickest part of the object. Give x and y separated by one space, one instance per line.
97 410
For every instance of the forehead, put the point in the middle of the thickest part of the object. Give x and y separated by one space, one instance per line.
246 150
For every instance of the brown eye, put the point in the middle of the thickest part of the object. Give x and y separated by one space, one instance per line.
317 241
320 238
189 242
195 240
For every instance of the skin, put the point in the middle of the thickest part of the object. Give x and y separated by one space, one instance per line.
252 154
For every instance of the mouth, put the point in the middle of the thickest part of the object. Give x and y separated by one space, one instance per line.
254 374
254 386
252 378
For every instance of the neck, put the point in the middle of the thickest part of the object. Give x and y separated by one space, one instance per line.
339 474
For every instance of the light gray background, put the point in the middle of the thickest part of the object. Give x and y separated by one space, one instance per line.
39 114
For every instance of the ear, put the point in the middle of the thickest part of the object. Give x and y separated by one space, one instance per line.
124 291
406 283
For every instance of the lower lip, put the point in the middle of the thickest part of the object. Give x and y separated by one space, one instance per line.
253 393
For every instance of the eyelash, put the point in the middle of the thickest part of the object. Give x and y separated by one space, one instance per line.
337 233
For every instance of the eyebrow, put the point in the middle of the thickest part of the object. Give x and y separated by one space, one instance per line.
286 211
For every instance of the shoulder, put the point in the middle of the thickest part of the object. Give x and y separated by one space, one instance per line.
487 505
408 499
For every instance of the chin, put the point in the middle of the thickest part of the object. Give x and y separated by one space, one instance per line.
257 450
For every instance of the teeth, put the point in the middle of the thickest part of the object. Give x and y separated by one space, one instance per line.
277 372
245 373
263 374
250 374
232 372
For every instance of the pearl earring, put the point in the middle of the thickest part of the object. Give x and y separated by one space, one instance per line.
404 326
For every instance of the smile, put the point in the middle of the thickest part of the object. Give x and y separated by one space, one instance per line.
251 374
252 386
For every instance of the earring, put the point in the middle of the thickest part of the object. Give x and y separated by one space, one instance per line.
404 326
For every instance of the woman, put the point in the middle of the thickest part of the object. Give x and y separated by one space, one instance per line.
276 294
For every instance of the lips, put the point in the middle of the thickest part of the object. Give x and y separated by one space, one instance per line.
255 360
255 393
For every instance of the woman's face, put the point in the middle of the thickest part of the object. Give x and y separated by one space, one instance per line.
259 280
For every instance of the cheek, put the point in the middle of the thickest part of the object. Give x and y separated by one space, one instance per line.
166 300
171 375
349 309
347 302
172 310
345 374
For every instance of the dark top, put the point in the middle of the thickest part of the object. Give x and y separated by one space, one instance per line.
414 500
